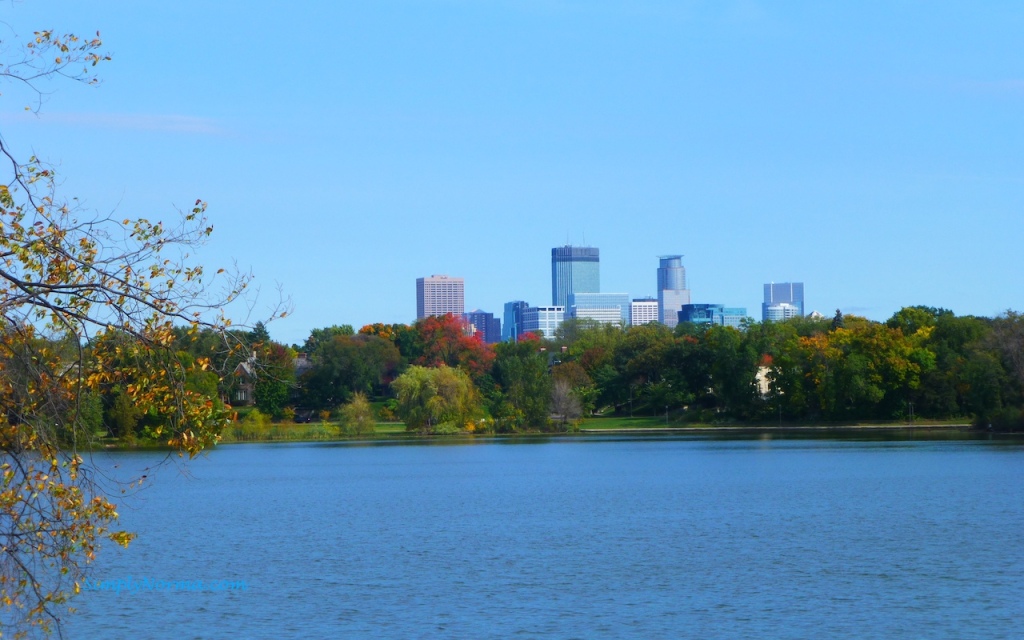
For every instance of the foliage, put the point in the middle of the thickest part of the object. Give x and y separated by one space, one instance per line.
405 338
923 360
318 337
838 321
345 365
436 400
445 343
521 396
564 402
357 416
89 305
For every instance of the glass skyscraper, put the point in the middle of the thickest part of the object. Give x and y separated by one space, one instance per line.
574 270
672 291
777 294
513 324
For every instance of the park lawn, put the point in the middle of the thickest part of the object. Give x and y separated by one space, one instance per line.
389 428
615 422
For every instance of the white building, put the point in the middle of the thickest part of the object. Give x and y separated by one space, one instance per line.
543 321
438 295
781 311
643 311
606 308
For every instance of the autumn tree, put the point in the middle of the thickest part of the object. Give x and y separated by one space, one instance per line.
73 286
405 338
445 342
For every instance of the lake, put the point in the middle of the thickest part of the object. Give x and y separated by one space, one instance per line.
586 537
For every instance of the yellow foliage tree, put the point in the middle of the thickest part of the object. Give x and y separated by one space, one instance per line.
86 302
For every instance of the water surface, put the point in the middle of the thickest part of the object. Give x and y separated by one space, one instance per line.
576 538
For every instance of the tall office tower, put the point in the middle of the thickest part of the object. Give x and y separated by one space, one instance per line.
438 295
672 291
513 320
643 311
782 293
486 325
574 270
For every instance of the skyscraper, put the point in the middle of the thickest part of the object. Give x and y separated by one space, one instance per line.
486 325
672 291
574 270
513 324
783 293
438 295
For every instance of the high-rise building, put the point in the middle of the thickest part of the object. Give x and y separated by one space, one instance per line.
543 321
606 308
672 291
485 324
643 311
574 270
513 320
776 294
779 312
713 314
438 295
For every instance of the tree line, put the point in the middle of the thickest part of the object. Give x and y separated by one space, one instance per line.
923 362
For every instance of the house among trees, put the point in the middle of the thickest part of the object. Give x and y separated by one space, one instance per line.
245 377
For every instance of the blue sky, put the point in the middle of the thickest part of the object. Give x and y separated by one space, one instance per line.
873 151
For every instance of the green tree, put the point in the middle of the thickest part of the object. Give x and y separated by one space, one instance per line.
522 386
348 364
573 374
357 416
838 322
318 337
275 378
436 400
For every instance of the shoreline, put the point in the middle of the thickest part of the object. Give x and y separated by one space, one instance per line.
961 430
966 427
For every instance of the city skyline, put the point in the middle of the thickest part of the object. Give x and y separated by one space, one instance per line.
782 300
788 142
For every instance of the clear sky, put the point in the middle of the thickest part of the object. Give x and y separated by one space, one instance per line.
872 150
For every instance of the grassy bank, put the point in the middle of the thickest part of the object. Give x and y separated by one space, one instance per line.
303 432
659 424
